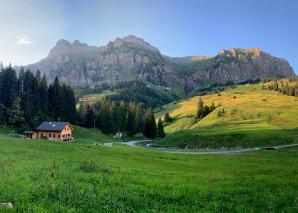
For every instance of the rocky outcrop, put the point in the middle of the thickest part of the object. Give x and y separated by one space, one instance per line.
132 58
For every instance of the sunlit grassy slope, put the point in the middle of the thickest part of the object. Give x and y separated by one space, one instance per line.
249 111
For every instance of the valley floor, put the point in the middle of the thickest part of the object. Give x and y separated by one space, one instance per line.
40 176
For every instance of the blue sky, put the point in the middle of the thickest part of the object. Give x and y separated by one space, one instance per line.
29 29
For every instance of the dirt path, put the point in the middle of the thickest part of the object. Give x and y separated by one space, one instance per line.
134 143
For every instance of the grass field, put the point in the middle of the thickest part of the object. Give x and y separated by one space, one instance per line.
41 176
253 117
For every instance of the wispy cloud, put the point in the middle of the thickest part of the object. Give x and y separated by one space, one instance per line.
24 40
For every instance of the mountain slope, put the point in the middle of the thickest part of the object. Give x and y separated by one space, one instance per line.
252 117
131 58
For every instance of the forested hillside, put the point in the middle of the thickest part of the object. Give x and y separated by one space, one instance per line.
27 99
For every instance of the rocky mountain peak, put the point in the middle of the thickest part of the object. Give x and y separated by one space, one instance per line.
63 47
239 53
132 41
78 43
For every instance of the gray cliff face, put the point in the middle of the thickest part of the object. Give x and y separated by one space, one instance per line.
237 65
132 58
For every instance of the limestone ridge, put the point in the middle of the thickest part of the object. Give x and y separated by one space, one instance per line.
131 58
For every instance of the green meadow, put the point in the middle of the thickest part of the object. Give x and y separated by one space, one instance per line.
43 176
252 117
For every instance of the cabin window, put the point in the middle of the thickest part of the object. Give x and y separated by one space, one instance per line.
58 136
50 135
54 135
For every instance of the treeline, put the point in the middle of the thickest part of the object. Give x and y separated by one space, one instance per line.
120 119
27 99
287 86
203 110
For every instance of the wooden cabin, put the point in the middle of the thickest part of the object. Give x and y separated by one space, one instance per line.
57 131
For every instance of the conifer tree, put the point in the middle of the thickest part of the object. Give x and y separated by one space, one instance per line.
2 114
160 129
90 117
122 116
212 107
27 99
114 114
56 99
139 119
15 114
43 92
82 112
8 86
150 128
200 108
167 117
131 119
105 116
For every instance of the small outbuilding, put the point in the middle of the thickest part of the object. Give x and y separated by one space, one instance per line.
57 131
30 134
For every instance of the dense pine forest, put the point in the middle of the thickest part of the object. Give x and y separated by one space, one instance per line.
27 99
119 119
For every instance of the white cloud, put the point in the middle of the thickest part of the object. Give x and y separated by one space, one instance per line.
24 41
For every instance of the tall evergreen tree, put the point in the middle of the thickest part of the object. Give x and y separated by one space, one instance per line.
167 117
139 119
21 82
105 116
122 116
8 86
114 118
200 108
43 93
131 119
67 104
2 114
160 130
15 114
28 96
150 128
55 99
82 112
90 117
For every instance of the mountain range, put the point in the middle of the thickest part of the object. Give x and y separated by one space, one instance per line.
132 58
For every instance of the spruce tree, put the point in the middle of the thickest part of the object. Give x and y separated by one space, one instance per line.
114 121
8 86
20 86
82 112
122 116
43 93
90 117
131 119
105 116
56 101
200 109
2 114
139 119
15 115
160 129
28 96
150 128
167 117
